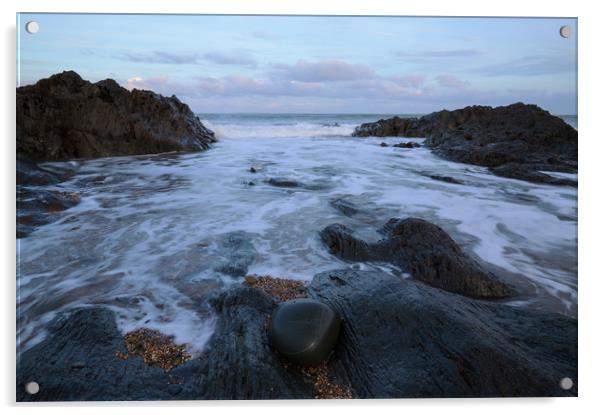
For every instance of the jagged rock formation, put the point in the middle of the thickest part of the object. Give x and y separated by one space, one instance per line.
517 141
65 117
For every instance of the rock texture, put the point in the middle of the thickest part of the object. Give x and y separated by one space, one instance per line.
425 251
399 339
78 362
390 127
405 340
517 140
65 117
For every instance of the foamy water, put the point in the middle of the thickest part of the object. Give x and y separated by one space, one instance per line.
149 230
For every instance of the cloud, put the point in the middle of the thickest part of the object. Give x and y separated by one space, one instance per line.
156 83
451 81
335 84
240 59
402 94
326 70
377 87
531 66
161 57
239 85
437 55
414 81
235 58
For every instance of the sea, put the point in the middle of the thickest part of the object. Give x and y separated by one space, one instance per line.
148 231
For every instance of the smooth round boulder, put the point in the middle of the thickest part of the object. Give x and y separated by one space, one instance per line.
304 331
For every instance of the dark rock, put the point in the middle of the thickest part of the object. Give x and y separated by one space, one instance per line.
346 207
383 144
392 127
87 335
446 179
65 117
293 184
39 207
406 340
30 173
36 205
399 339
530 173
239 253
253 170
340 242
280 182
425 251
411 144
516 134
239 362
304 331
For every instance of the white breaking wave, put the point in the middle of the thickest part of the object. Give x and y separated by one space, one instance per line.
301 129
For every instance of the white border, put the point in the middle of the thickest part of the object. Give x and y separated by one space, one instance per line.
589 206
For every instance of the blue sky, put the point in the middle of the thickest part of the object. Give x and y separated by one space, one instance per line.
312 64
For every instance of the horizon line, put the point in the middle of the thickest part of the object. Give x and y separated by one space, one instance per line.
341 113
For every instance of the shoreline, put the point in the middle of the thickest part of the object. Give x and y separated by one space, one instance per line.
133 248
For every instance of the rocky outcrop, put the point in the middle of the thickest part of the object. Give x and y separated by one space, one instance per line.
425 251
390 127
65 117
398 339
517 140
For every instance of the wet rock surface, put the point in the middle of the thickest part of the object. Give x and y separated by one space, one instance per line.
65 117
39 199
531 173
446 179
294 184
516 141
239 253
78 361
425 251
282 182
239 362
399 339
304 331
411 144
346 207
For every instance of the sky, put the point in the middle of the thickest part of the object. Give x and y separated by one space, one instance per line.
312 64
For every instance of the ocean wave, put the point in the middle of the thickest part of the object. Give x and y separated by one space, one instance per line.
282 130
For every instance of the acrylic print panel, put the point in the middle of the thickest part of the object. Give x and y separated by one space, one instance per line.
274 207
